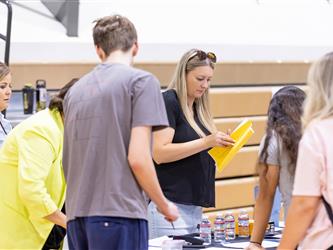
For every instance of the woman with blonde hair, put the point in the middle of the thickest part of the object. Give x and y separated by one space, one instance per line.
5 94
312 199
185 170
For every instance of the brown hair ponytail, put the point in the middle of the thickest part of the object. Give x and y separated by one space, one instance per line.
57 100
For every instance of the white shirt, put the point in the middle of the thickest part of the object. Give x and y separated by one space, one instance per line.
5 127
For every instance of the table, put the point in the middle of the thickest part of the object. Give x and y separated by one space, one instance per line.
270 242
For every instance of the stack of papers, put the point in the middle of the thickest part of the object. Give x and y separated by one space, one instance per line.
223 155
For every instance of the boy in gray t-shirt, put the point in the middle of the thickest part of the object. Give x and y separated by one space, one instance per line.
109 116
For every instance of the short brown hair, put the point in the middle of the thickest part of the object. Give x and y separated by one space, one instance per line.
113 33
57 100
4 70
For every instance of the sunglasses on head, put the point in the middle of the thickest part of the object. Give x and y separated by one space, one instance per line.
202 55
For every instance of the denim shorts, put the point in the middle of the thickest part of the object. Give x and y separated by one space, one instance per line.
189 218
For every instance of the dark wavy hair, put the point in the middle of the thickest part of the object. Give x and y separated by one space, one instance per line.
57 100
284 119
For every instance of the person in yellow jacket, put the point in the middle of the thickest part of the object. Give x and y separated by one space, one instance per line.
32 184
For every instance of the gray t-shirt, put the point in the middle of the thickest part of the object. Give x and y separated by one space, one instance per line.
100 111
277 156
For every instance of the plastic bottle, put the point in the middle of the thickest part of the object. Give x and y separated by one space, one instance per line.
28 98
41 95
206 230
229 226
219 228
243 224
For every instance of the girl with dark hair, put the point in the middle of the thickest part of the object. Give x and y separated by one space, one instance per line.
5 94
277 156
32 184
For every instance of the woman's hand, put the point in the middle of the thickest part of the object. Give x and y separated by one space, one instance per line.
57 217
254 246
219 139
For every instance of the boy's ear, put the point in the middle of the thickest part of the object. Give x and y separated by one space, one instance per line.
100 52
135 49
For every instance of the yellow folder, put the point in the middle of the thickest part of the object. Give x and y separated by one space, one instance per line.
223 155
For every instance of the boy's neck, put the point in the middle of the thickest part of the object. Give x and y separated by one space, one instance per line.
119 56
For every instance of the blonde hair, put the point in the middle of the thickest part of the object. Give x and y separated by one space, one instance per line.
319 101
187 63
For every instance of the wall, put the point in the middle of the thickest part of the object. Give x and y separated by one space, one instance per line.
226 74
237 30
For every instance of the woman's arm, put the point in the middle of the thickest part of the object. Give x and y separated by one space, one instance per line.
166 151
58 218
300 215
36 155
268 181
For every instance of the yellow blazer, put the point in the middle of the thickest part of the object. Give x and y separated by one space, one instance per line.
32 183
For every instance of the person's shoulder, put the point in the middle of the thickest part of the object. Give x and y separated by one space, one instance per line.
170 95
320 129
272 148
276 138
142 74
3 119
43 118
81 81
321 124
41 124
75 92
171 100
91 73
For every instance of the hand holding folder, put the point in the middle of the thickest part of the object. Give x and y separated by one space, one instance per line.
223 155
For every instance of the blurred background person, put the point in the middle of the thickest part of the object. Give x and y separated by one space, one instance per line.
185 170
32 183
5 94
277 157
309 221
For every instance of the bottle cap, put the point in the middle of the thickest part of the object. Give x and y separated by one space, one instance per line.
28 85
40 83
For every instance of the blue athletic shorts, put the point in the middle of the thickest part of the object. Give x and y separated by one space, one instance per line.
112 233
